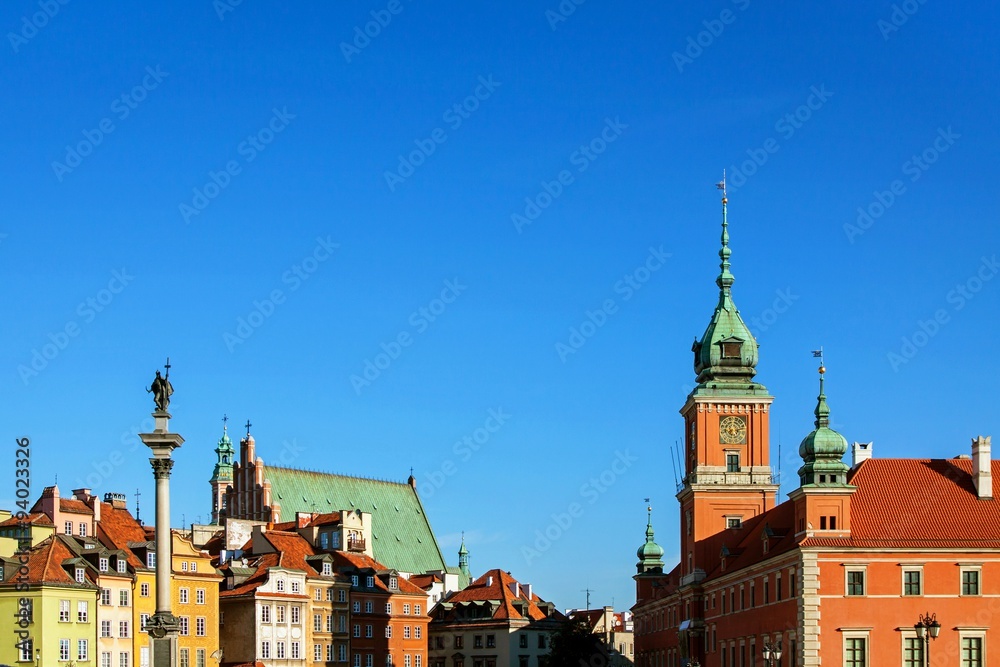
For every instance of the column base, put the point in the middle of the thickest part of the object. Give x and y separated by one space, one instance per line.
162 624
163 651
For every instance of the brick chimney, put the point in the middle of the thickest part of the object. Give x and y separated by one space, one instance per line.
982 467
861 452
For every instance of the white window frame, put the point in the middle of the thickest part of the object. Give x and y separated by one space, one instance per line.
857 633
902 580
908 633
963 568
971 633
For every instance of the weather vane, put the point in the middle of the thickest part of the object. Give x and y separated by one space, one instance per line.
721 185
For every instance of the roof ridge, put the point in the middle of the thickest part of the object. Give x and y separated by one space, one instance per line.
335 474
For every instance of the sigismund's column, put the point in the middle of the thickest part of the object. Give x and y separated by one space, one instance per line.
163 626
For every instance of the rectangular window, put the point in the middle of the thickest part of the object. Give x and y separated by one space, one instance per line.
265 613
199 657
369 660
970 582
913 652
185 659
199 626
106 659
295 615
123 629
123 597
972 652
144 590
150 560
121 565
732 462
368 631
357 629
369 607
406 635
855 652
491 640
342 653
64 611
68 529
342 624
327 569
356 606
357 660
317 652
416 635
184 566
406 610
541 641
318 623
416 609
280 615
265 649
80 577
185 624
279 652
295 587
199 596
911 582
184 595
458 641
279 585
123 659
81 649
105 628
64 646
341 595
388 632
855 582
82 612
522 641
102 564
295 650
329 624
370 581
388 608
143 620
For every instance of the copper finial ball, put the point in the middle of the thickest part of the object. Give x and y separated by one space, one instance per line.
822 369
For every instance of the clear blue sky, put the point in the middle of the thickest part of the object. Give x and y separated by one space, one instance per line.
276 135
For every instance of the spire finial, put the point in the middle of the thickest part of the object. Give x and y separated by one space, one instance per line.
225 425
248 425
822 409
725 280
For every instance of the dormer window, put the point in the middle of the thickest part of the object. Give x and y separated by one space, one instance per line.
79 575
102 564
731 349
393 583
121 565
327 569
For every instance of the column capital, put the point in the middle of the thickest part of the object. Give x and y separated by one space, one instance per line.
161 467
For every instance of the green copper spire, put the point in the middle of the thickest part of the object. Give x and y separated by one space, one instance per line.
463 559
725 358
650 554
823 450
224 456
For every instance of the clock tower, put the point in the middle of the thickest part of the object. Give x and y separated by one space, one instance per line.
727 471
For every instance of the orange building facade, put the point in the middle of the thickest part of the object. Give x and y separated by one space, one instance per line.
840 572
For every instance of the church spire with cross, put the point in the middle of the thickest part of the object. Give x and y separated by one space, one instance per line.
222 475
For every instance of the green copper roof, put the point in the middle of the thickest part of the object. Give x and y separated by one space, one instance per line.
401 534
650 554
823 450
226 455
727 351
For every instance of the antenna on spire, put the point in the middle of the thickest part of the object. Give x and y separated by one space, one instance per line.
137 494
588 591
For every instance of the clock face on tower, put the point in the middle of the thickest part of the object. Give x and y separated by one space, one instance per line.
733 430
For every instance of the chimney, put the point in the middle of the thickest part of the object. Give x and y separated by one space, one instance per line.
116 500
514 589
861 452
982 467
489 580
302 519
527 590
82 494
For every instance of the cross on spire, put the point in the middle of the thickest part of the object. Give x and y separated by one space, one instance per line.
225 418
248 425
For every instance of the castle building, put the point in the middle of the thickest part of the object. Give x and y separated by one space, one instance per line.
222 475
859 567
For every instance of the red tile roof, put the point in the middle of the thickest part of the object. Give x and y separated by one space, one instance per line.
45 565
264 563
912 503
495 585
34 518
117 528
425 581
74 506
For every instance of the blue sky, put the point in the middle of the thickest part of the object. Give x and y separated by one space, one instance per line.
172 171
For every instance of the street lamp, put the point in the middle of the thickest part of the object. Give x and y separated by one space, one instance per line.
927 629
772 653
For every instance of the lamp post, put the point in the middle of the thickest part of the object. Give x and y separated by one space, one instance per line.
772 654
927 629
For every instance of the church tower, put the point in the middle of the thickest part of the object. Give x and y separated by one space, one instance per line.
222 476
727 471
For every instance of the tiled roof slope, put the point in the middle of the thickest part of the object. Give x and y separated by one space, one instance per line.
909 503
45 565
117 528
401 533
485 589
34 519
